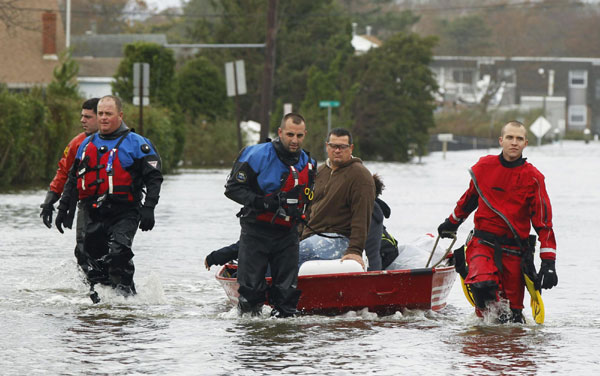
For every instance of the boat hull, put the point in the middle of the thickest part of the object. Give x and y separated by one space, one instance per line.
383 292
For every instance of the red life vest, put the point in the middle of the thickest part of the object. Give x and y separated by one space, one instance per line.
295 178
101 173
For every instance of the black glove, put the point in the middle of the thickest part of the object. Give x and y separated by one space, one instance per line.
267 203
447 229
547 277
147 218
62 219
48 208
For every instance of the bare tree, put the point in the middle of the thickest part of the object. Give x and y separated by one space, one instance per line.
13 16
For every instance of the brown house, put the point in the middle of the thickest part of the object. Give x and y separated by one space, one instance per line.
30 43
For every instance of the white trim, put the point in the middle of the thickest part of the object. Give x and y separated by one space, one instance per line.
540 98
99 80
491 59
572 75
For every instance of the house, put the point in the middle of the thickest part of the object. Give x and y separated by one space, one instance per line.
31 40
567 89
363 43
99 56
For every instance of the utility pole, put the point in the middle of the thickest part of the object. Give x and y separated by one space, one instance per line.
267 84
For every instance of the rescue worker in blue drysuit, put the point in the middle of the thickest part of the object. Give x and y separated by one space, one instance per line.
273 181
111 169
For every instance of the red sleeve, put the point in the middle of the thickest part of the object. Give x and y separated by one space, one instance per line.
465 205
541 218
64 165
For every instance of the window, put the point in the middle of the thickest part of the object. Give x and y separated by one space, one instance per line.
578 78
462 76
508 75
577 115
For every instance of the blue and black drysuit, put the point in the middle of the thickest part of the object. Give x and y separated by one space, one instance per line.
269 239
108 176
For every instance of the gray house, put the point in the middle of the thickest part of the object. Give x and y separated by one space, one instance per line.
567 89
99 56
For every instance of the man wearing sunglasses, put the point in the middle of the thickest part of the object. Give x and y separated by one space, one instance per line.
342 205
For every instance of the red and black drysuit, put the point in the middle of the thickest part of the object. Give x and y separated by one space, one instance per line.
517 190
107 177
272 184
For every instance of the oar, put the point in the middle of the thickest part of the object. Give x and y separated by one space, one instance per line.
437 240
445 254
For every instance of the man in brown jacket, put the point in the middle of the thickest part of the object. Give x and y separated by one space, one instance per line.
343 202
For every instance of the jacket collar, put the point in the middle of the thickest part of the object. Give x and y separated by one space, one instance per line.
116 134
284 155
515 163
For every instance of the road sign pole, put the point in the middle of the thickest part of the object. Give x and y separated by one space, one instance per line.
141 94
328 124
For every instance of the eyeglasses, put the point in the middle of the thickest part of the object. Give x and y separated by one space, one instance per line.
338 146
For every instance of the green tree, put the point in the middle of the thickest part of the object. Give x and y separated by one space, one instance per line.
312 35
64 82
162 72
466 35
201 89
392 103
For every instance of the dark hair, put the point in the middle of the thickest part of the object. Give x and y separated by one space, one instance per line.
379 186
340 132
116 100
91 104
296 119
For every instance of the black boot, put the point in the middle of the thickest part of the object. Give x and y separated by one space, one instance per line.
244 306
484 293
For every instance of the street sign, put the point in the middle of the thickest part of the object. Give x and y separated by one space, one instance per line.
144 80
444 137
540 127
323 104
145 101
235 78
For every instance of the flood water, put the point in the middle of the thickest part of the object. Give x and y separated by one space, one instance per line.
181 323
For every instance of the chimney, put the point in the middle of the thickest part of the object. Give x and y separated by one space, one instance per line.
369 30
49 33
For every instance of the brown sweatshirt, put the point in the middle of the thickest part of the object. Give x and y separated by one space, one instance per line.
343 203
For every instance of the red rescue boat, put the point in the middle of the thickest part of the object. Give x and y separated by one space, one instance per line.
383 292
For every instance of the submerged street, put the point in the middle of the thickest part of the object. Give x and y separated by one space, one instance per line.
182 323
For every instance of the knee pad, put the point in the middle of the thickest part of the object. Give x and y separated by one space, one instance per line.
484 292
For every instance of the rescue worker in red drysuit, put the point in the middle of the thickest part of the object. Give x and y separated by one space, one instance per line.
89 124
272 180
516 190
110 171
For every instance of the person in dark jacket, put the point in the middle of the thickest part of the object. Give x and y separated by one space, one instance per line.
110 172
273 182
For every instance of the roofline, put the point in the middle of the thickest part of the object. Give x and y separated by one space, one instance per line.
25 85
226 45
489 59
